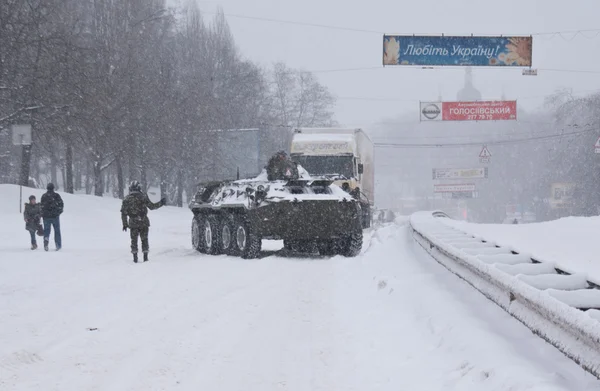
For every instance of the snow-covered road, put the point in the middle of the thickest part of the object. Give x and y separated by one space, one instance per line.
86 318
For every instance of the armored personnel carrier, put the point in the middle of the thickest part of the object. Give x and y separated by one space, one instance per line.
232 217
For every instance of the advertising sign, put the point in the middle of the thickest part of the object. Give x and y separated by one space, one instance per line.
21 134
431 111
459 195
493 110
321 148
561 195
451 188
457 50
460 173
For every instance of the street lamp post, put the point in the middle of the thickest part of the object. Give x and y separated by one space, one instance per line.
22 136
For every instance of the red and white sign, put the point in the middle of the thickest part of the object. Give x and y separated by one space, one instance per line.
451 188
469 111
597 146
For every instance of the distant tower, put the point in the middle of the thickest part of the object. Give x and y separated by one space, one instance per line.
468 92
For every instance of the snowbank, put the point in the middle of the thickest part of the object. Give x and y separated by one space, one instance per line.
569 242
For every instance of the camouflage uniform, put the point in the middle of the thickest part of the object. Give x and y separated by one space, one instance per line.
135 206
280 167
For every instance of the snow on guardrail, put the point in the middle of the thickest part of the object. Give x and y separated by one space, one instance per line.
562 308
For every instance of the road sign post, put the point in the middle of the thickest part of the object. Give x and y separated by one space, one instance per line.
484 155
21 135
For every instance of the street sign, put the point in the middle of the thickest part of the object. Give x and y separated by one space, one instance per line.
484 155
597 146
21 134
460 173
452 188
529 72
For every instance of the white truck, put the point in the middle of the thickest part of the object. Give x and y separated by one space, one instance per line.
344 155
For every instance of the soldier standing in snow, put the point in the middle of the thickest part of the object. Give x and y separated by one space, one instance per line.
52 208
33 216
135 206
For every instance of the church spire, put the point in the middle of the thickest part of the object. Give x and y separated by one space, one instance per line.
468 92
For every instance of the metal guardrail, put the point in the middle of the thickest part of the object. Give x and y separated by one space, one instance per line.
506 278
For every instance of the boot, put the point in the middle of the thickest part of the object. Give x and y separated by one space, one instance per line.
46 245
135 259
145 256
34 246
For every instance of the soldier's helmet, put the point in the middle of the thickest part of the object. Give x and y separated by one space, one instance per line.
135 186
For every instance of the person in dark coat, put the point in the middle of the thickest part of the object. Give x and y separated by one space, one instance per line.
134 214
33 217
52 208
281 167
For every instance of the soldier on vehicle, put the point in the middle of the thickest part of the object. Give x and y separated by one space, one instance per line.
281 167
135 207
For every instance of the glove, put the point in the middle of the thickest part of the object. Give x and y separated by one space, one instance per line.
125 228
163 201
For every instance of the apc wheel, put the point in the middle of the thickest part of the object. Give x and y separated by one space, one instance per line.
246 242
211 235
350 246
228 240
197 238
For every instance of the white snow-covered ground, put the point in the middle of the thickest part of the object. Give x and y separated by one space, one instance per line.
87 318
570 242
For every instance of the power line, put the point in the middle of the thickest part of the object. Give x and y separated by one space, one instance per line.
459 136
353 29
444 68
308 24
341 70
568 70
380 99
478 143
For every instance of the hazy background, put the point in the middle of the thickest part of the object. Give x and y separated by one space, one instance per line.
387 92
145 89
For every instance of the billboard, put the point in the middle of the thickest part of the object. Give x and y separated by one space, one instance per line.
460 173
561 195
493 110
457 51
451 188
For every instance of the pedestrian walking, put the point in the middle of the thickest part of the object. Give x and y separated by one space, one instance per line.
33 217
52 208
134 215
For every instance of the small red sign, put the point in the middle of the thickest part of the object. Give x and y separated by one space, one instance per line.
479 111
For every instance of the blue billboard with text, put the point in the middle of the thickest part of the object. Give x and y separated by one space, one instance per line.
457 51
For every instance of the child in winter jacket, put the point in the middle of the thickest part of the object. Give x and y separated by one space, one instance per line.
32 215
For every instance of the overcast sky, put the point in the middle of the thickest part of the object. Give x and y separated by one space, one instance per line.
397 90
